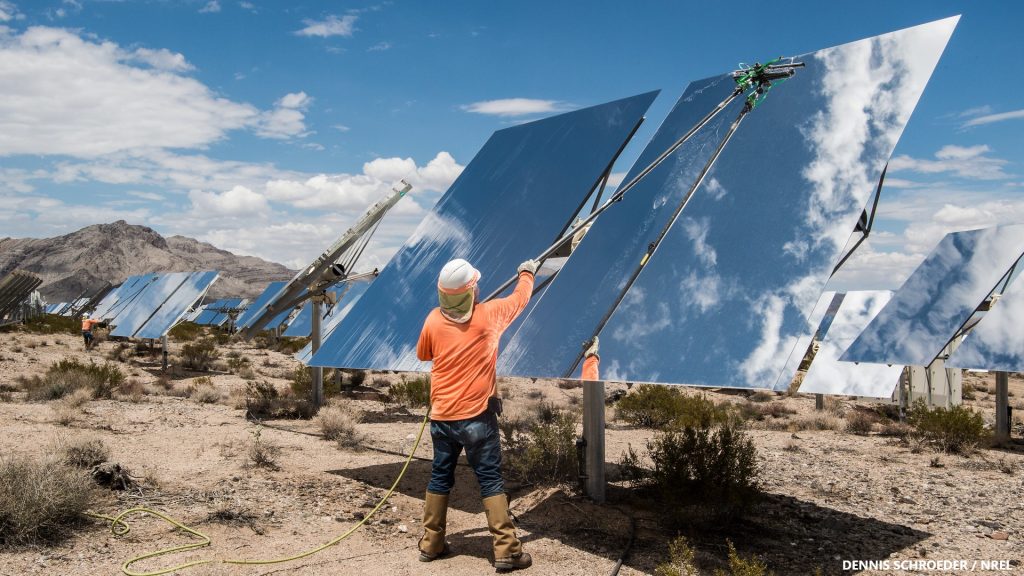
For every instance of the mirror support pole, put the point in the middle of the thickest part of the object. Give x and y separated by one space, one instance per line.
1002 431
593 433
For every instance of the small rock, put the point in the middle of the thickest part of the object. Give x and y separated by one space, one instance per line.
999 535
403 528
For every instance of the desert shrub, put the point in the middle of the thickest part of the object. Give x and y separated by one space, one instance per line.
40 500
834 406
541 452
131 390
262 400
48 324
291 345
83 452
967 391
654 406
6 396
380 383
120 353
186 332
199 355
860 423
739 566
812 422
958 430
413 393
236 362
338 423
68 375
712 471
761 396
356 377
262 452
203 391
681 560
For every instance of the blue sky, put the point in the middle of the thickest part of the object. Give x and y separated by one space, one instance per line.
267 127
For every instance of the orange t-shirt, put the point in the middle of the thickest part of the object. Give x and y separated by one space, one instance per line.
88 323
465 356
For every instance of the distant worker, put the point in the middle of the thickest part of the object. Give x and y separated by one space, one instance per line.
592 361
87 326
461 338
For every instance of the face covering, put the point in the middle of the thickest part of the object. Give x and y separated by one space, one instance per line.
457 307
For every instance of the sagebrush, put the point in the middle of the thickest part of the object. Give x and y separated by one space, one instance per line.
957 430
653 406
68 375
40 500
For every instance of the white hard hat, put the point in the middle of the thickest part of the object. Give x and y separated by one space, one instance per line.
85 315
457 276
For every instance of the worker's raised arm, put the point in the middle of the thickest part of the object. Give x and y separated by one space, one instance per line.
592 363
508 308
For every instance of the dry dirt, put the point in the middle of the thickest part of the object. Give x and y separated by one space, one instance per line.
831 496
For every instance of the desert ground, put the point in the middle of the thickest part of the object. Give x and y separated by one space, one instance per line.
830 495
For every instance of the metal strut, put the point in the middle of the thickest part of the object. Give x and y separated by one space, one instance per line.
757 79
864 225
653 246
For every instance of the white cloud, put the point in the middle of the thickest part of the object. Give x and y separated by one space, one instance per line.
330 26
515 106
66 95
247 5
963 161
8 11
238 201
350 191
211 7
990 118
287 119
163 59
146 195
341 128
379 47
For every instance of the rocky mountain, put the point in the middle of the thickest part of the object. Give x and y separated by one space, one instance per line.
82 261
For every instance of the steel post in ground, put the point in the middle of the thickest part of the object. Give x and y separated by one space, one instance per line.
819 401
317 372
593 433
163 343
1002 431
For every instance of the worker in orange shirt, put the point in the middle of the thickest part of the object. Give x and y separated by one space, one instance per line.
87 326
461 338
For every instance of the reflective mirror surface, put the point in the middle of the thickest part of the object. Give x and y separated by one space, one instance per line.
176 305
817 324
122 297
259 305
827 375
508 205
997 342
147 303
346 301
727 295
939 297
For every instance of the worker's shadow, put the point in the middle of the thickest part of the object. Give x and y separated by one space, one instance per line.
793 536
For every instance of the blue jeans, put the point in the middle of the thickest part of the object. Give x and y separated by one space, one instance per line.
479 436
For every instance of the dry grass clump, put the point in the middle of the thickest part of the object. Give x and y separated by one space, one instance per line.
203 391
68 375
40 500
83 452
262 452
683 562
860 423
338 423
813 422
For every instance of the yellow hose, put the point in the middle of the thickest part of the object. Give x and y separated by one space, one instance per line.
119 528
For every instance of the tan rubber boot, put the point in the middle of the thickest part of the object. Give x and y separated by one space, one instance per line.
508 550
435 516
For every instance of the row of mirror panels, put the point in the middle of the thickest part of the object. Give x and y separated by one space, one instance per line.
259 305
728 293
939 297
512 201
827 375
161 304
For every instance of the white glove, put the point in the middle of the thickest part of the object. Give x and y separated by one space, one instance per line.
592 349
529 266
